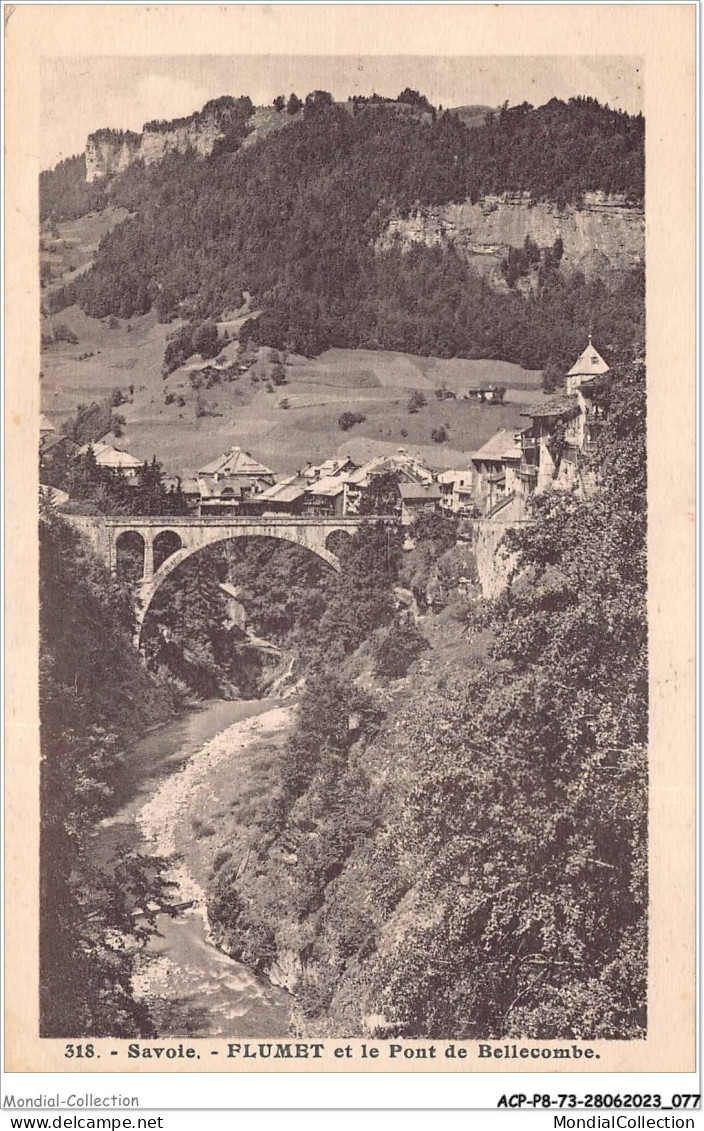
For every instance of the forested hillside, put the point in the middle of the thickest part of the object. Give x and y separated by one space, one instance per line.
95 698
64 193
465 852
294 218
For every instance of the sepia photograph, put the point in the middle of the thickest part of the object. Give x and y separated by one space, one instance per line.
343 415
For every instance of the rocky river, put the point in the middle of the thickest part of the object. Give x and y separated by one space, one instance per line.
194 989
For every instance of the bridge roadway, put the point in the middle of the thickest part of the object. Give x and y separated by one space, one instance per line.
177 537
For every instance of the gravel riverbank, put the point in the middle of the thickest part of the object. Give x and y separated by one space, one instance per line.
191 986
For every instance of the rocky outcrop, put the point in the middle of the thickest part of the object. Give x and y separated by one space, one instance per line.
111 151
605 233
200 136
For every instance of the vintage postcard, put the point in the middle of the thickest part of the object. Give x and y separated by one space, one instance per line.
350 493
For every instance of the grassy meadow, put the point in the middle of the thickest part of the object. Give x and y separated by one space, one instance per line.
285 427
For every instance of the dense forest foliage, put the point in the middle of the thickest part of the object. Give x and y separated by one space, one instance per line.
470 856
187 632
294 219
230 114
95 698
428 301
64 193
104 490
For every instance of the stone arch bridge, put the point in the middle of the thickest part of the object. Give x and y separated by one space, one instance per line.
168 540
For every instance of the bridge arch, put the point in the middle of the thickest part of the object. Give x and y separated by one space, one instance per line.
336 541
166 543
150 586
184 535
130 550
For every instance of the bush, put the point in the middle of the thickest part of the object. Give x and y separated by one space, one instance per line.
178 349
398 650
348 420
417 401
284 403
205 340
316 101
440 435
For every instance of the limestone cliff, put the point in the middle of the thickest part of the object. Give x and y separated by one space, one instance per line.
111 151
604 234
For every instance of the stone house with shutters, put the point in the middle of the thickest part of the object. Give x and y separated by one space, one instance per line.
494 470
564 428
231 483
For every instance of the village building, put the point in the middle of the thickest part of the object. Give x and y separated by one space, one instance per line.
52 495
587 380
495 467
116 459
417 499
285 497
475 389
188 486
56 450
330 468
564 428
327 496
588 364
543 442
485 394
410 469
317 490
230 483
457 490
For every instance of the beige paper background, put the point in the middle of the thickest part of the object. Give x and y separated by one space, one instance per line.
664 36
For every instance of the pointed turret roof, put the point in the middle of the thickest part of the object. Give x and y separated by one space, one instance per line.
589 364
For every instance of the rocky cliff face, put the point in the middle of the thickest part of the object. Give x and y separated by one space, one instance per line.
109 152
605 234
